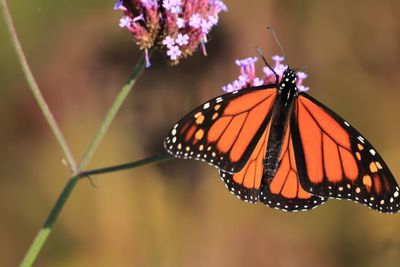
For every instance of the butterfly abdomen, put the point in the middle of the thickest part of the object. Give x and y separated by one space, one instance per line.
282 108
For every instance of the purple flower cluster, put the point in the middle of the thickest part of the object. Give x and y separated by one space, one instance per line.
248 78
178 26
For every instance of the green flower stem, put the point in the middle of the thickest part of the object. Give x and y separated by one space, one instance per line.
45 231
112 112
35 88
130 165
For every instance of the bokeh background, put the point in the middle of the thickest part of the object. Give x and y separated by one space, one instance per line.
178 213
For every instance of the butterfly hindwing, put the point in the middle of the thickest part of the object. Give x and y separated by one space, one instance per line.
246 183
334 160
284 190
225 130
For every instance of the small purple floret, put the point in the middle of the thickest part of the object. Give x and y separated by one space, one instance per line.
182 39
195 21
168 41
118 5
277 59
124 22
180 22
147 60
174 52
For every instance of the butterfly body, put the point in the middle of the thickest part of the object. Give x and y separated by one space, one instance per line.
281 109
275 144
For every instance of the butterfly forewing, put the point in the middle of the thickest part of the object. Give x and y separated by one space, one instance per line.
334 160
225 130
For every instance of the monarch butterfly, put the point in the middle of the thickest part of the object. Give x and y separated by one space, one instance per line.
276 144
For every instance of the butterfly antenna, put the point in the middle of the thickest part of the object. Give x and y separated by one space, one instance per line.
277 42
266 63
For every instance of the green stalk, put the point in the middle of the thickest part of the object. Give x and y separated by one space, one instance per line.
45 231
48 115
129 165
112 112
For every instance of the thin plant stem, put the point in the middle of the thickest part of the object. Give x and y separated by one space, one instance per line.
112 112
48 115
45 231
130 165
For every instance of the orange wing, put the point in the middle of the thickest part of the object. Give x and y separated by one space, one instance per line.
334 160
246 184
225 130
283 191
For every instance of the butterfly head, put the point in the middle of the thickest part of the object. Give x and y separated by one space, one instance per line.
289 79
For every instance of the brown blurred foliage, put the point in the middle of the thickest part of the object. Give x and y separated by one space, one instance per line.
178 213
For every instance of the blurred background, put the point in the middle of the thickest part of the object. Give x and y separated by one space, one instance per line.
178 213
